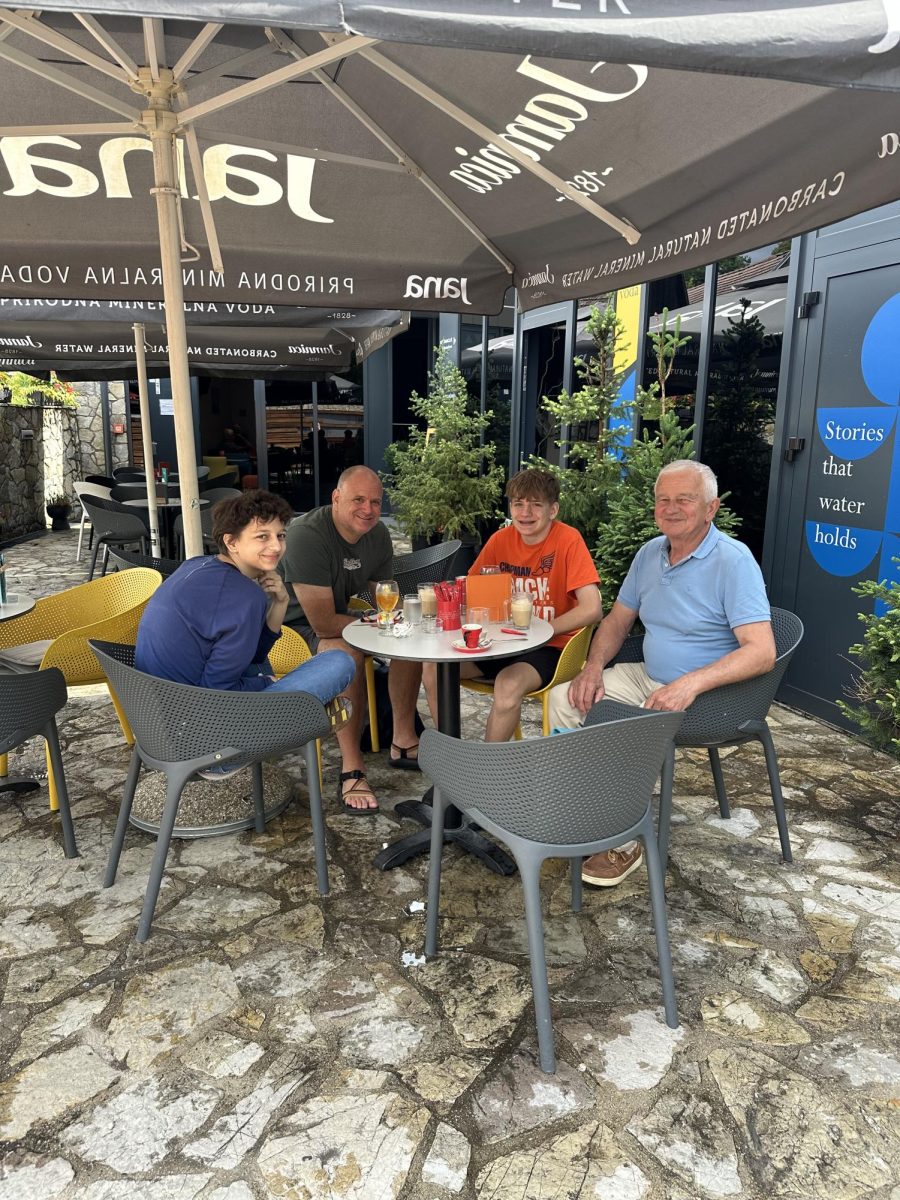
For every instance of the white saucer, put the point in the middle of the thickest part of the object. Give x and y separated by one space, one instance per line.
484 644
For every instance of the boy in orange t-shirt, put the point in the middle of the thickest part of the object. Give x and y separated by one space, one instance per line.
555 567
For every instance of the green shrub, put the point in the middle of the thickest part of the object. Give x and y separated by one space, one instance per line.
441 480
876 688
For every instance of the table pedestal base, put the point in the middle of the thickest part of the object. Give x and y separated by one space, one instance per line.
463 836
19 785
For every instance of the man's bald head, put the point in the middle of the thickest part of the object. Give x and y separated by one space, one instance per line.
356 503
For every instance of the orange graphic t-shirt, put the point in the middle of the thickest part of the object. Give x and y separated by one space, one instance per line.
551 571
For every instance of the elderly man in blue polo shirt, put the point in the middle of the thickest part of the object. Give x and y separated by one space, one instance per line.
702 601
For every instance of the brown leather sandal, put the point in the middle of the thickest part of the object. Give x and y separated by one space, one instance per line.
360 788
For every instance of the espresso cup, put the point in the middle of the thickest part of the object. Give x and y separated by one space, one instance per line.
471 635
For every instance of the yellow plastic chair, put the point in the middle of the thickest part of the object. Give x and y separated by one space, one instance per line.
570 663
108 608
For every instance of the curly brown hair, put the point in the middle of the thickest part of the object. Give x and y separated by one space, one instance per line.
229 517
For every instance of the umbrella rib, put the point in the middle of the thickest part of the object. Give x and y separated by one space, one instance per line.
209 224
103 130
406 163
625 228
154 45
109 44
52 37
264 83
318 152
194 50
69 82
233 66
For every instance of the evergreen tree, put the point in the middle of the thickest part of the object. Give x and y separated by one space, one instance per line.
441 480
877 687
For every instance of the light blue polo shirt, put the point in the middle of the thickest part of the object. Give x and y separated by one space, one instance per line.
689 610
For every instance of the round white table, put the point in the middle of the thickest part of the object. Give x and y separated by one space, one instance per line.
437 648
17 604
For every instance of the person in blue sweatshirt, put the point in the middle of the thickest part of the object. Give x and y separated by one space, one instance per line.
213 622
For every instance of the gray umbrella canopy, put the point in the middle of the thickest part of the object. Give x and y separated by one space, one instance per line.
310 162
34 338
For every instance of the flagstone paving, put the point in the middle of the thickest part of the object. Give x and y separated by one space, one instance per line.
267 1043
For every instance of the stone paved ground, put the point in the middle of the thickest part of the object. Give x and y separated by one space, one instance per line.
269 1043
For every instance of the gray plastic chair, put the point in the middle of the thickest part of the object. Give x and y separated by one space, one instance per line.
121 560
28 707
129 475
181 730
422 566
558 797
84 487
727 716
113 525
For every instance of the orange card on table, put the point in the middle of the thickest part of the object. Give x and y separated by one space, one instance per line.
491 592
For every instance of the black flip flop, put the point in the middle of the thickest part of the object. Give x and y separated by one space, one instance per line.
405 761
358 777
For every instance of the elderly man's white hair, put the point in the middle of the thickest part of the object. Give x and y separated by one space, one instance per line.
708 480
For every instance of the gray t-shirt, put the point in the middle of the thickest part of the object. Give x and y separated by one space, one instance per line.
316 554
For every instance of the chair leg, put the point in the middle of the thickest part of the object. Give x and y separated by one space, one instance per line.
174 788
373 707
666 784
4 765
259 801
319 761
719 779
115 850
432 908
575 877
51 781
65 815
105 560
657 882
120 713
93 565
530 871
81 524
777 798
313 785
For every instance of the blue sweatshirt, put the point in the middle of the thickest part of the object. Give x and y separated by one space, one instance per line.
206 625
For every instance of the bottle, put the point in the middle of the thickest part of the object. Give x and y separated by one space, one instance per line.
2 580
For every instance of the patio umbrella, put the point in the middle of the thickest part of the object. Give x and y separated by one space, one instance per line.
104 349
308 161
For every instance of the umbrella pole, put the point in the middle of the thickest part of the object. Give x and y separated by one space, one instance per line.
160 123
146 439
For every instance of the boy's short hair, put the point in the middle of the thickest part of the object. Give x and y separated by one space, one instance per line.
533 484
230 517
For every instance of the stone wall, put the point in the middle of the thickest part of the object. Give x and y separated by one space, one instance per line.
90 423
44 451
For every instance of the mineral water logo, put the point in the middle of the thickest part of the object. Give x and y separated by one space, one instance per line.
232 172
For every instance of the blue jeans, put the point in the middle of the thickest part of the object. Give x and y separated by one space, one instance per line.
324 675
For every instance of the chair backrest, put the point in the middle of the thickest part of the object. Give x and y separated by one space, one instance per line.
575 787
128 491
173 722
106 480
27 702
122 560
719 715
573 656
129 475
423 566
98 490
215 494
110 518
289 651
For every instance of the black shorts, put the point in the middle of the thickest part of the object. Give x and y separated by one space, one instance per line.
544 661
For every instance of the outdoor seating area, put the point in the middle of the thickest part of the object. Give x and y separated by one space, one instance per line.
282 1032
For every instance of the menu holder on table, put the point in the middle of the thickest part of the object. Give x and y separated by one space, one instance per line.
492 592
